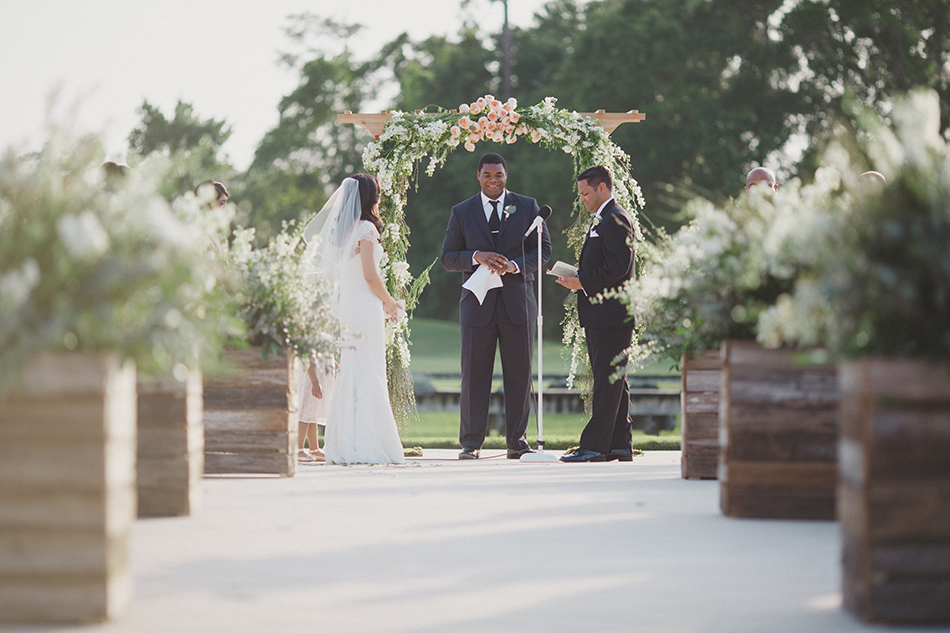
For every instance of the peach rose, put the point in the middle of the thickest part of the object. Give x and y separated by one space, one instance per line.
497 136
456 131
511 139
491 126
464 108
512 104
465 122
514 117
535 136
476 108
483 122
470 146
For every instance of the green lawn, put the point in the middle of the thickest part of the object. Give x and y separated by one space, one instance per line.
436 349
561 431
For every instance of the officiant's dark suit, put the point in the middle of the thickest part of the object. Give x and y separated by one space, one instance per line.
606 261
507 317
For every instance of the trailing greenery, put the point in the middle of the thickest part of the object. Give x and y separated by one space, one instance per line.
407 138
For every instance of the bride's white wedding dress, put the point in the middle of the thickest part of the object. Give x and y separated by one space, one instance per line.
360 425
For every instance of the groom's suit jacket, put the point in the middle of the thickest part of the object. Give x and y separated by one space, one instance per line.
606 261
468 232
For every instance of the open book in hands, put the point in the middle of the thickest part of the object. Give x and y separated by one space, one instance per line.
560 269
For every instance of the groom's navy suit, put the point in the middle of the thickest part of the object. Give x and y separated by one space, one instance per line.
507 317
607 261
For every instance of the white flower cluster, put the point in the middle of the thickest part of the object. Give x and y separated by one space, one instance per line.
282 305
878 277
712 278
91 263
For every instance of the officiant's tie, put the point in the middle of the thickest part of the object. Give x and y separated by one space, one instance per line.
494 223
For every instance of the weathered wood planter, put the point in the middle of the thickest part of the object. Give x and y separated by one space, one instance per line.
894 495
778 433
67 490
250 416
699 404
170 445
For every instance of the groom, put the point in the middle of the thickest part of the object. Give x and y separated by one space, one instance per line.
607 261
489 230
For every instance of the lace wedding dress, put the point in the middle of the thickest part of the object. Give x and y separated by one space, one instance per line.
360 425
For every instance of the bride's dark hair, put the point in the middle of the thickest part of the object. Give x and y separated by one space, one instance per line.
369 196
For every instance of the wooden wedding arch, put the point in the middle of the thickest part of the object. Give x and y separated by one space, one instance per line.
374 122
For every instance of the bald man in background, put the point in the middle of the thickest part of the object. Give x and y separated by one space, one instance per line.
763 176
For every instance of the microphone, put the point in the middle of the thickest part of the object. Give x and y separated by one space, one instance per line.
543 214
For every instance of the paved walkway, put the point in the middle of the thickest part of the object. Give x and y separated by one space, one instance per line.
439 545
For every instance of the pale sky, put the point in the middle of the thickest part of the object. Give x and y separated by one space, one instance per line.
109 55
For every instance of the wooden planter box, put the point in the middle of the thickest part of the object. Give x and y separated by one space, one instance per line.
894 495
170 445
67 490
250 415
778 433
699 406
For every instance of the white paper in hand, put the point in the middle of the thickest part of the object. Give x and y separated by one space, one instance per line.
481 281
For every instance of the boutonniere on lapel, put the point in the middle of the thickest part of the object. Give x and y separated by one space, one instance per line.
593 226
510 209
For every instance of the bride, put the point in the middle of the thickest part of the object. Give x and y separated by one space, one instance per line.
360 425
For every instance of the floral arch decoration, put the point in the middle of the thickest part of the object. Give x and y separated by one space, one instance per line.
406 138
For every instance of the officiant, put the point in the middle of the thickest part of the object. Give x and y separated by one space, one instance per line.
487 231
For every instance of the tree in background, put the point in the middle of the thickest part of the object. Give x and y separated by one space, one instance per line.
843 53
725 84
193 144
307 152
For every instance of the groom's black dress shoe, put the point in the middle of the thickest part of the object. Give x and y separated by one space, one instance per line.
584 455
619 454
517 453
469 453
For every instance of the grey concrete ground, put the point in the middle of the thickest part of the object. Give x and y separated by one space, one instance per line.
439 545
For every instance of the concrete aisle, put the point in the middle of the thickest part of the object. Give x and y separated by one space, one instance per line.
439 545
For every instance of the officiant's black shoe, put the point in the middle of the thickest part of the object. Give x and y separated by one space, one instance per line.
619 454
517 453
469 453
584 455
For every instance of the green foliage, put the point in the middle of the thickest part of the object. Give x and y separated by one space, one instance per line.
282 305
408 138
307 151
712 279
193 145
880 283
89 267
870 51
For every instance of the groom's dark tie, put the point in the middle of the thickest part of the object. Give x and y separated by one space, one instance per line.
494 222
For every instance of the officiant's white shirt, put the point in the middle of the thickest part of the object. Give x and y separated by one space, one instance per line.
486 206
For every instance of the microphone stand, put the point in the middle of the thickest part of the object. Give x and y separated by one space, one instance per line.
540 455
